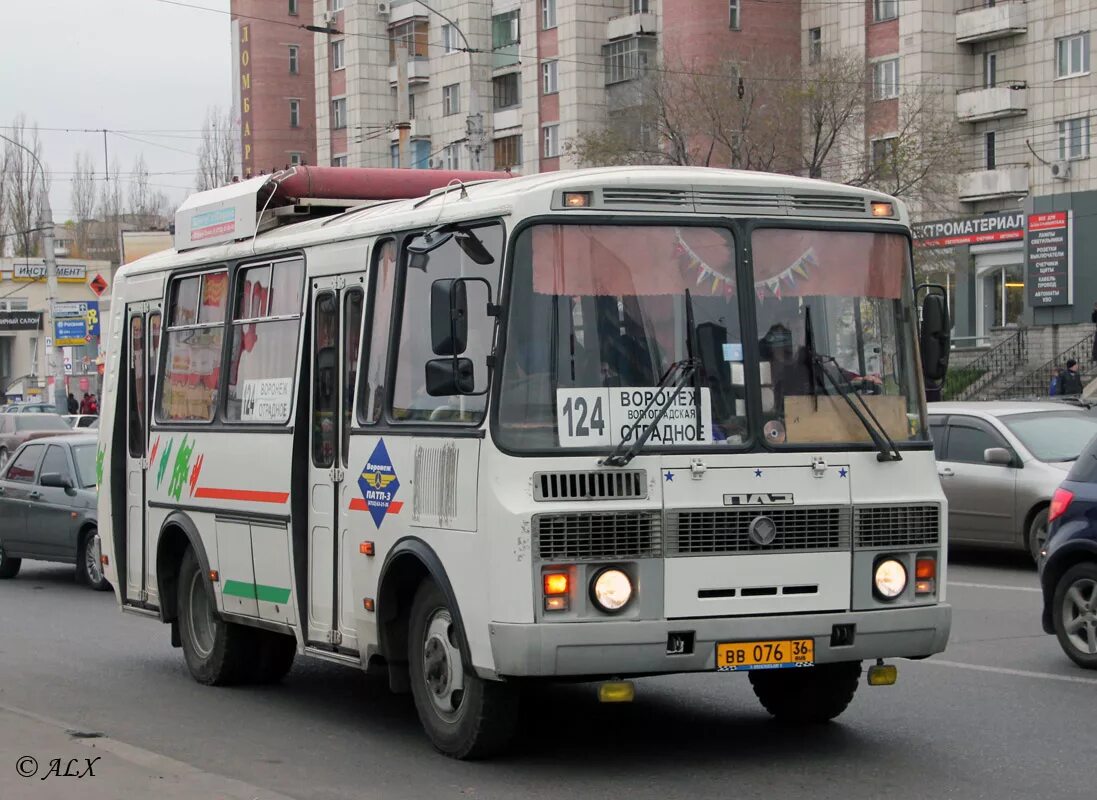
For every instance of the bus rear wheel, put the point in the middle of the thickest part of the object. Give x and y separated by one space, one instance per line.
809 694
215 650
464 715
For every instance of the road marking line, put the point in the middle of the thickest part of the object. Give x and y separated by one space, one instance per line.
993 586
1019 673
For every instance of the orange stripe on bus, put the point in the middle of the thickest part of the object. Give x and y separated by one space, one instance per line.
245 495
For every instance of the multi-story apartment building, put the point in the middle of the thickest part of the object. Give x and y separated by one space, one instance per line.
273 93
1013 77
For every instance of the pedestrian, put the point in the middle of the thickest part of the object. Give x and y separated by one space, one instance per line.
84 404
1053 384
1093 319
1070 382
74 407
93 404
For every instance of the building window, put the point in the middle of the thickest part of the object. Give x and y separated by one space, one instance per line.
412 35
420 153
296 159
293 8
627 59
548 14
508 152
450 43
335 5
885 81
733 14
294 60
639 6
504 39
815 45
1072 55
411 106
451 156
883 155
394 156
989 156
550 141
451 99
990 70
339 113
338 50
549 77
339 161
507 90
884 10
1073 138
295 113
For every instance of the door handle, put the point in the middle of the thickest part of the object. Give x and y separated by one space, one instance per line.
34 495
946 473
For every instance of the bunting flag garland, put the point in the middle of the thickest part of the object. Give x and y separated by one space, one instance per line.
717 283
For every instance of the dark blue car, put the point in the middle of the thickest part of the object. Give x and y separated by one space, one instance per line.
1068 566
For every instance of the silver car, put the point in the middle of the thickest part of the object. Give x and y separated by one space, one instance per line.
999 464
48 507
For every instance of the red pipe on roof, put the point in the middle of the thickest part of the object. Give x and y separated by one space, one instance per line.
366 183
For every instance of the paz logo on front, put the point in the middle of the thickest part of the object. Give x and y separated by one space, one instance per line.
379 484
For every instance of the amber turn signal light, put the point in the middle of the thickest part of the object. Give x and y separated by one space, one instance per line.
925 569
556 583
883 210
576 199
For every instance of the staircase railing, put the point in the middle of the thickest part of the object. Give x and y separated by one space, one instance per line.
1006 356
1035 382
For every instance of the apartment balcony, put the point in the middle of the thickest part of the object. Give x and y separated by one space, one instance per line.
998 21
630 25
996 102
418 71
507 118
1008 180
420 129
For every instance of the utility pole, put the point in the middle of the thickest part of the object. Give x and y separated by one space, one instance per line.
55 370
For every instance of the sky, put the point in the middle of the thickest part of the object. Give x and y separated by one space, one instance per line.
145 68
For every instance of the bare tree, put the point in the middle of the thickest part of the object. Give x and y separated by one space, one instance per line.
24 186
3 199
83 202
110 214
147 207
831 102
217 153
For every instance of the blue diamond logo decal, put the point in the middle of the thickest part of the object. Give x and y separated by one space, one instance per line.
379 484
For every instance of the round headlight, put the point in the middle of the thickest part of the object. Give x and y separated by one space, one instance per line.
611 590
890 578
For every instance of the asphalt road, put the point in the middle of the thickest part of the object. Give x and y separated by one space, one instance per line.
1001 714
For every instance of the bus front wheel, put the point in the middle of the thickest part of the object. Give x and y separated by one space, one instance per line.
807 695
464 715
215 650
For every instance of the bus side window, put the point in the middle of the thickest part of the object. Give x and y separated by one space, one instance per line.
192 364
375 353
410 400
137 391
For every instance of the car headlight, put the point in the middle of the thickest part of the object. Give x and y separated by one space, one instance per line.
890 578
611 590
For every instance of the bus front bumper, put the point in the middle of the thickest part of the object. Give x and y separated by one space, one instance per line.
609 648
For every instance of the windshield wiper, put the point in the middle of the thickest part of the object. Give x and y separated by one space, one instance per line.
879 435
624 452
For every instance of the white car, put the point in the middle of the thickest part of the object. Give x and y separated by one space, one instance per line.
82 420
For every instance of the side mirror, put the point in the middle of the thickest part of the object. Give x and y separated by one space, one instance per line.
449 376
55 480
936 337
998 455
449 317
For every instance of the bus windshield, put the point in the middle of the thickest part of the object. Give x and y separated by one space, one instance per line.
599 314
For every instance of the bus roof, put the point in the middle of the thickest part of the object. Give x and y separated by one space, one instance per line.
646 189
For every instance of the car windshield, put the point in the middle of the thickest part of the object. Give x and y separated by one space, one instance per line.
599 313
85 456
1051 435
41 422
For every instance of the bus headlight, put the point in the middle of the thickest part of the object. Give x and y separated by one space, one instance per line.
611 590
890 578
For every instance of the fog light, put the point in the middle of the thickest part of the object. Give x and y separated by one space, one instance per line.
880 674
617 692
611 590
890 578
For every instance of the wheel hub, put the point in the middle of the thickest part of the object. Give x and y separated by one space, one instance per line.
443 671
1080 615
92 558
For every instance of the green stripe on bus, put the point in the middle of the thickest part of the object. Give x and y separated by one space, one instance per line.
256 591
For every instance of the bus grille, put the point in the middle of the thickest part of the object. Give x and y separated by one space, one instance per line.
897 526
713 532
582 536
592 485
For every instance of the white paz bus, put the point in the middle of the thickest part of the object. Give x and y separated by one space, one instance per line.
583 425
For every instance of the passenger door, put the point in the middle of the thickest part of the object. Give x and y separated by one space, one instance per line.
980 495
337 304
16 490
143 340
49 514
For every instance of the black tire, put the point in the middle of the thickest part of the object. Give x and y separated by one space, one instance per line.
216 651
274 653
1080 644
9 567
89 569
481 721
1036 537
809 694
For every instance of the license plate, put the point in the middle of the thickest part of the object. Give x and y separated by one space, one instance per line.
776 654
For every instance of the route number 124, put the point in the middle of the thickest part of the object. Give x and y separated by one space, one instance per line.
584 415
